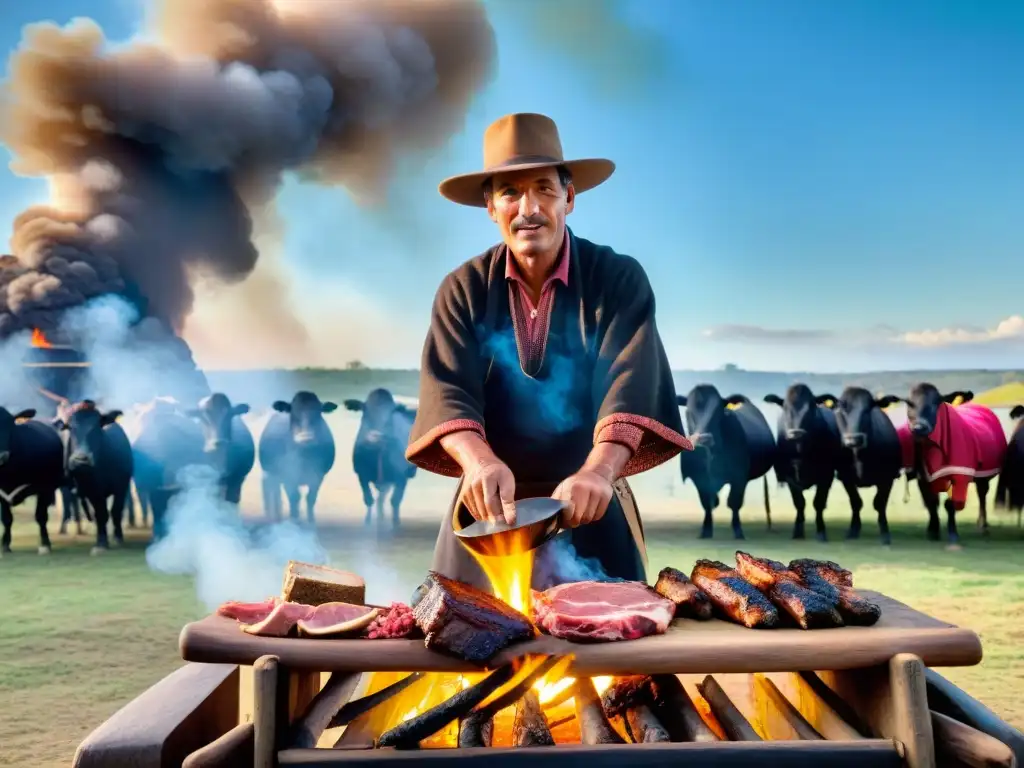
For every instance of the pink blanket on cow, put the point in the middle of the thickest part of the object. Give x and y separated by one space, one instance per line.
967 442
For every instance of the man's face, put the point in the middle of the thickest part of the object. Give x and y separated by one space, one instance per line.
529 208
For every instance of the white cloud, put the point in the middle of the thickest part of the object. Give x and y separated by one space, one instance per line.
1012 328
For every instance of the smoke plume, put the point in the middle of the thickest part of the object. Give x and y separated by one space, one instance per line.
162 155
558 562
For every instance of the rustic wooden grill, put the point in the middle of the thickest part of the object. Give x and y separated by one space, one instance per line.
848 696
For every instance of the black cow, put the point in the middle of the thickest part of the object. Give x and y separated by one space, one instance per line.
809 452
379 453
1010 487
922 416
296 449
168 440
228 443
733 445
99 461
31 464
873 454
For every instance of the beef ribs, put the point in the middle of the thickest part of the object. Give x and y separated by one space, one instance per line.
602 611
735 597
690 601
836 583
464 621
809 609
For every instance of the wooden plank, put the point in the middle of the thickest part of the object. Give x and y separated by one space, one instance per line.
960 746
948 699
711 647
267 702
792 754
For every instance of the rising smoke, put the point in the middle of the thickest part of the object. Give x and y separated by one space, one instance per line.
162 155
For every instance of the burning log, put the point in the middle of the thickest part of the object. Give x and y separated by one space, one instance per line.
677 712
476 730
517 691
307 730
643 726
836 703
729 717
361 706
594 725
409 734
530 728
797 721
626 692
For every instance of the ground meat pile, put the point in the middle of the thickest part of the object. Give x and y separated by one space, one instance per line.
396 622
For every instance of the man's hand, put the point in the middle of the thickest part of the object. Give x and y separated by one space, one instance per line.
489 491
488 486
588 491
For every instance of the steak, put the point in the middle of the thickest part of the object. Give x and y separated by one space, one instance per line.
735 597
602 611
336 619
836 583
248 613
459 619
278 618
809 609
690 601
280 621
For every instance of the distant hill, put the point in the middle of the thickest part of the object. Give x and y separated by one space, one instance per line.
264 386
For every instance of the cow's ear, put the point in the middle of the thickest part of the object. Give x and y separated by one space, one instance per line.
282 407
681 400
958 396
1017 412
240 409
887 401
774 400
28 413
829 401
328 407
354 405
732 402
110 417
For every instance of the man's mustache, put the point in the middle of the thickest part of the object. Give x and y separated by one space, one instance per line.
528 221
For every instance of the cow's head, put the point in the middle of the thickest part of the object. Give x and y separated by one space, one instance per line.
1016 412
853 415
924 403
214 414
705 412
799 410
7 422
84 423
305 410
378 410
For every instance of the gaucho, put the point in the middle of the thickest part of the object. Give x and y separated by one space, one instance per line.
543 372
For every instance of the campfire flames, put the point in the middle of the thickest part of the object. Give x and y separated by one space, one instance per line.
510 576
39 340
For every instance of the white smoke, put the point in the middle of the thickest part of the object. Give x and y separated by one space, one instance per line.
557 562
229 561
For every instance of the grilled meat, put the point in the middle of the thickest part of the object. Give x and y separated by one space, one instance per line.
810 609
464 621
625 692
690 601
737 598
836 584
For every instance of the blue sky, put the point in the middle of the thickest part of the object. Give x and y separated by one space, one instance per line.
810 186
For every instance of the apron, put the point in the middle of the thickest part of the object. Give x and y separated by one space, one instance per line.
542 427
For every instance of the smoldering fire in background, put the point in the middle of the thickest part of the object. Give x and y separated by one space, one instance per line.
161 156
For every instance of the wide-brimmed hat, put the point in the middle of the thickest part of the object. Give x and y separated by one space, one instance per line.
520 142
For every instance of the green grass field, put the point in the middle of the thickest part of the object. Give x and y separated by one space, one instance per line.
83 635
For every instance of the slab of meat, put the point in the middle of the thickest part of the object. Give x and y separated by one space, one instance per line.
602 611
336 619
737 598
248 613
280 621
809 609
836 583
690 601
464 621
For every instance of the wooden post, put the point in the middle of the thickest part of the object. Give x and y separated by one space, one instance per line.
270 710
912 718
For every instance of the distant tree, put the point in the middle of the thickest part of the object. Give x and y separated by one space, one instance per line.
355 365
730 368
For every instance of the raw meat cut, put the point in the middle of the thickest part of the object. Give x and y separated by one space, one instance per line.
248 613
336 619
280 621
462 620
602 611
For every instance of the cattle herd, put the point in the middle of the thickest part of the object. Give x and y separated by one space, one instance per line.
85 455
